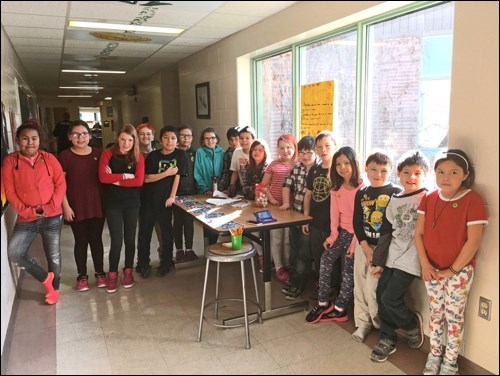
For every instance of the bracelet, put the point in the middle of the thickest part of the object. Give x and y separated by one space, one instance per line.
452 270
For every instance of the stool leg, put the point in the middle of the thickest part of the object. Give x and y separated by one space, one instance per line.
245 312
203 300
216 305
259 310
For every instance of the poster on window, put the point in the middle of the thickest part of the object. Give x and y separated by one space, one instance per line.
316 109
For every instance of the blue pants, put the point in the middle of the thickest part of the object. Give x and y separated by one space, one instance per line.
300 258
392 309
23 235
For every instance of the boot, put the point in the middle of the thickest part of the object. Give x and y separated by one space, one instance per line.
128 278
111 281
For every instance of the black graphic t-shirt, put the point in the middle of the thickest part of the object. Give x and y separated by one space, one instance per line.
156 193
319 184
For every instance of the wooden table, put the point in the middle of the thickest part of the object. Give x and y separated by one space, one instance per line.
207 215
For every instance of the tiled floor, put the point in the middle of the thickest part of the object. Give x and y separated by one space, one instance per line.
152 329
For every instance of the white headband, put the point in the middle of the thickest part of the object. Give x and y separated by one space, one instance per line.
459 155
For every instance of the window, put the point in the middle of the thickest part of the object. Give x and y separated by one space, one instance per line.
398 100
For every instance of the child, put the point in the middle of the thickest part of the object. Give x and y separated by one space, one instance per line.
345 183
239 160
121 170
295 186
208 162
233 138
34 184
369 207
317 202
258 161
207 168
82 204
399 260
147 144
163 168
275 175
448 234
183 222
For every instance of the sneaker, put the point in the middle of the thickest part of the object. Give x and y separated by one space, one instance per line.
101 279
360 334
317 312
282 275
162 270
432 365
448 368
261 264
415 336
287 287
382 351
82 283
52 297
293 293
128 278
190 255
180 256
335 315
111 281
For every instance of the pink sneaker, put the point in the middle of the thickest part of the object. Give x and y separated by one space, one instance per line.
128 278
282 275
101 280
82 283
111 281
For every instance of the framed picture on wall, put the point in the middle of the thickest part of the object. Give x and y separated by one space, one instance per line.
202 100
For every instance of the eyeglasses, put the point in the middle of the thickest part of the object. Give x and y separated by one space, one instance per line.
185 136
78 135
308 153
142 134
210 138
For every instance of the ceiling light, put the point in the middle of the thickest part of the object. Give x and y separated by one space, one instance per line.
108 26
74 96
82 87
90 71
108 98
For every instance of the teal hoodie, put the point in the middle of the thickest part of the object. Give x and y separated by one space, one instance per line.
207 165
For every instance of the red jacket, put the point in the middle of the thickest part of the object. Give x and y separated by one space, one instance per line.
28 186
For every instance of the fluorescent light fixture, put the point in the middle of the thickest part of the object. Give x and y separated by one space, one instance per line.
108 98
74 96
109 26
91 71
82 87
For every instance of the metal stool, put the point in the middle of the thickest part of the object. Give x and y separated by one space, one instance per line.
219 253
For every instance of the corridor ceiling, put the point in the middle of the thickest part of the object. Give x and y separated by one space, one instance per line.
39 33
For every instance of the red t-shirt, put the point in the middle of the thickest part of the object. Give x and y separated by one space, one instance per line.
445 226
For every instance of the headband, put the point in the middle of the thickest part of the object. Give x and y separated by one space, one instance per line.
458 155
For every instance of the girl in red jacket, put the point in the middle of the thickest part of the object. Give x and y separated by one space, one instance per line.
34 184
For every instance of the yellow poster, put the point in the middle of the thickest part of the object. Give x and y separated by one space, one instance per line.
316 113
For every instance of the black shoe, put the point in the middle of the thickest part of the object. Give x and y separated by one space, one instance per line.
145 271
162 270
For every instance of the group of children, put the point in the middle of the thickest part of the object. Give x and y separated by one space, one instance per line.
385 235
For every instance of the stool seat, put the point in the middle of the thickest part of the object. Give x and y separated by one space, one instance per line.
222 253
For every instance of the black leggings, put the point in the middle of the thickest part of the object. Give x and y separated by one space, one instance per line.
88 232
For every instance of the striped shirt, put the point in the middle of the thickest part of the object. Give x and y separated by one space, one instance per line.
279 172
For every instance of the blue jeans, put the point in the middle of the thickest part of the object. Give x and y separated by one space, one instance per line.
300 257
392 309
23 235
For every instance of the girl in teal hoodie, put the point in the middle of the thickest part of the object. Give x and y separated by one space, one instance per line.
208 161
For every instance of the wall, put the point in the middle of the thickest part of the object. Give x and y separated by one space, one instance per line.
11 71
473 118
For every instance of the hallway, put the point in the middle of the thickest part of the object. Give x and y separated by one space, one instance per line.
152 329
